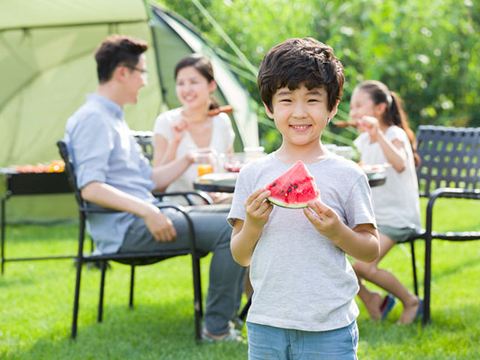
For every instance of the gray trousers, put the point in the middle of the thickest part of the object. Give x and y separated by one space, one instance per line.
212 234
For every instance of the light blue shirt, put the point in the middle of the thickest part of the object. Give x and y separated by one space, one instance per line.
102 149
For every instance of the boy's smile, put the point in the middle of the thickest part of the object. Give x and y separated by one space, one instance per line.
301 114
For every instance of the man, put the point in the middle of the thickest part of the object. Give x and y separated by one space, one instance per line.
113 173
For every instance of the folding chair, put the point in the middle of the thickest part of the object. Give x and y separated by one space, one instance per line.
132 259
450 168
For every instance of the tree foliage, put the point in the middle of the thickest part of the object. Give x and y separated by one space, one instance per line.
425 50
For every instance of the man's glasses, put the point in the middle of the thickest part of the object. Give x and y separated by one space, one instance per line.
143 71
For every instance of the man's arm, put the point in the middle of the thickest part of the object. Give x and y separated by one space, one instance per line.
109 197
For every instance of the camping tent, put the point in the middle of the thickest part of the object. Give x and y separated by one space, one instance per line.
47 67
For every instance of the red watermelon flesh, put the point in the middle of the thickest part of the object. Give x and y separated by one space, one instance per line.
294 189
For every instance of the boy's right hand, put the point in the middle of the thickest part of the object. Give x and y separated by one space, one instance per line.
258 208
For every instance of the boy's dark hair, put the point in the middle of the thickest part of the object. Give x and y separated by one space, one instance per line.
117 50
301 61
204 67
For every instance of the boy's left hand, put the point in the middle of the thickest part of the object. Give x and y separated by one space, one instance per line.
323 218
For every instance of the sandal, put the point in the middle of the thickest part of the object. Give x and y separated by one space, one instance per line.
387 306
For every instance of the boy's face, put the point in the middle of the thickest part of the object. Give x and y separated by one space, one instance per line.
301 114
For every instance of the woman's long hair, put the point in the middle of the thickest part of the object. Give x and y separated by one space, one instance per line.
394 113
204 67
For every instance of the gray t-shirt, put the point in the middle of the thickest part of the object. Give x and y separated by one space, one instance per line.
301 280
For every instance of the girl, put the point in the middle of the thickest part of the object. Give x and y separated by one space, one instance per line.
190 129
386 138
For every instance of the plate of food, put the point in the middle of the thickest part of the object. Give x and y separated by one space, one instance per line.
373 169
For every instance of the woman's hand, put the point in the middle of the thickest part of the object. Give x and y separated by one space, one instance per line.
179 128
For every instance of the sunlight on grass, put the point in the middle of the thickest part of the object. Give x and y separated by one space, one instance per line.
37 301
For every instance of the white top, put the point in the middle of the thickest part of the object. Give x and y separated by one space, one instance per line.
396 203
301 280
221 142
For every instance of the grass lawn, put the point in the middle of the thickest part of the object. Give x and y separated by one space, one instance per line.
36 299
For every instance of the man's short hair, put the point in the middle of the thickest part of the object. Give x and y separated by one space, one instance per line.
117 50
304 61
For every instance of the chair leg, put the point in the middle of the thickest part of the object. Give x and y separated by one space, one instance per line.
427 280
102 290
132 284
414 267
199 285
244 312
76 298
197 294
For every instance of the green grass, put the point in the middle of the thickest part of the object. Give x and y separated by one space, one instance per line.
36 299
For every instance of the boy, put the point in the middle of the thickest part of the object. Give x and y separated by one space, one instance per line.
113 173
304 287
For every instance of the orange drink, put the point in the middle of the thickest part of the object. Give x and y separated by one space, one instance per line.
203 169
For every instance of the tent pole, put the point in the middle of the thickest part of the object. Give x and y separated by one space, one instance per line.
163 91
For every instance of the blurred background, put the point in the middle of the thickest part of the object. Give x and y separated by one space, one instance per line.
425 50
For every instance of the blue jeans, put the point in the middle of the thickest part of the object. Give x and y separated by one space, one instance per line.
267 342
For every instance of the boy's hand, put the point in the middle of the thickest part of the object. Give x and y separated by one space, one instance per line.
257 208
323 218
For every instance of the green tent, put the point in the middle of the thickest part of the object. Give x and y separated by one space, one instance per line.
47 67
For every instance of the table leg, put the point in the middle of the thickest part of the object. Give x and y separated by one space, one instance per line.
2 259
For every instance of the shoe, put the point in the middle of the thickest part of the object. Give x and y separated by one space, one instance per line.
233 336
236 323
387 306
419 313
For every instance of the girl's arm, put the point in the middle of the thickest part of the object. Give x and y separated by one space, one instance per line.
394 151
246 234
361 243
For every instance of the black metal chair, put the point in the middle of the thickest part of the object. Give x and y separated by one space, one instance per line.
132 259
450 168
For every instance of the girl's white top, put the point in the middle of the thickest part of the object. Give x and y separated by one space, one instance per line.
221 142
396 203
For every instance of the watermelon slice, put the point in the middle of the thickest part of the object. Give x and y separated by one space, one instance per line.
294 189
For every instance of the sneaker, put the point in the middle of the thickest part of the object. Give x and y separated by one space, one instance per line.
232 336
236 323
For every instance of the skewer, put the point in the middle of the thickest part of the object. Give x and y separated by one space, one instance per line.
227 109
344 124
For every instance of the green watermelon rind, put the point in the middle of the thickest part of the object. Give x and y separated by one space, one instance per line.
287 206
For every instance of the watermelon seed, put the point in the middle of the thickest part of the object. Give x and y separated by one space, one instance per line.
274 184
289 189
296 186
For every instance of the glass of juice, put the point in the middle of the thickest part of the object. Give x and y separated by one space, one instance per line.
204 163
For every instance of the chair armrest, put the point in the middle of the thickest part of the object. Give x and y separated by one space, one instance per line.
186 194
447 193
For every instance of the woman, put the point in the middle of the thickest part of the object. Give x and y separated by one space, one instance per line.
386 138
190 128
